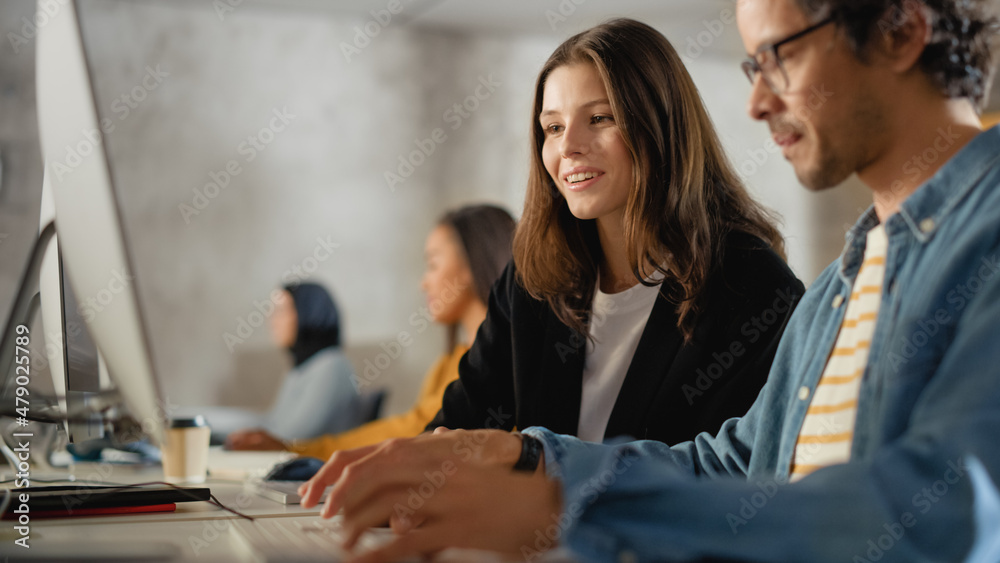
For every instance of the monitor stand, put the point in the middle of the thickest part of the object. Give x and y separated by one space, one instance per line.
42 440
25 306
42 409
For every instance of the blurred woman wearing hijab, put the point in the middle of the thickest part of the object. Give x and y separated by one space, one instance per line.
317 396
467 249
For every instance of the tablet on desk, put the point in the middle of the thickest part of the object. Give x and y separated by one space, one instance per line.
83 500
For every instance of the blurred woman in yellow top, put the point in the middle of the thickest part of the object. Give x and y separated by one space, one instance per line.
464 254
407 424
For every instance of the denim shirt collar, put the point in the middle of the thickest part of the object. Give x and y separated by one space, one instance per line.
929 206
854 249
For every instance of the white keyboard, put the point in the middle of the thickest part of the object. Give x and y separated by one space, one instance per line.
285 492
300 539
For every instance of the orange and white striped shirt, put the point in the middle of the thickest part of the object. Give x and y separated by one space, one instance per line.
828 430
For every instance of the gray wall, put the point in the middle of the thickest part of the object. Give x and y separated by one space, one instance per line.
20 160
21 177
322 177
320 183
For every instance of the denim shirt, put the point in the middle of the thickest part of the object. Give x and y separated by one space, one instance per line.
928 411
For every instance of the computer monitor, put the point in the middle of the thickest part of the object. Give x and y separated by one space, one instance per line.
84 398
91 235
77 371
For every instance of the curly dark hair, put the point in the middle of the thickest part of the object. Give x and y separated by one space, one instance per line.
959 57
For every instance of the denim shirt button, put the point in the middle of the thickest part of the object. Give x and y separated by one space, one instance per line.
927 225
804 393
837 301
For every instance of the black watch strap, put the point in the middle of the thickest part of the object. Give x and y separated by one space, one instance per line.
531 454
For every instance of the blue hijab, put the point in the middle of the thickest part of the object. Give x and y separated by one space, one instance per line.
319 321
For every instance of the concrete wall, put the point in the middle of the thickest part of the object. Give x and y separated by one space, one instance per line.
20 159
311 197
182 90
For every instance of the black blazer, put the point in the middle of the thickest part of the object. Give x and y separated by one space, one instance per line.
525 367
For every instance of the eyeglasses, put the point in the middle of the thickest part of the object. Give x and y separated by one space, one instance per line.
767 63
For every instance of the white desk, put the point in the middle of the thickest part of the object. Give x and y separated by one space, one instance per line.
197 531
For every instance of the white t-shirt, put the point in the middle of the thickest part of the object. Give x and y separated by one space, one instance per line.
617 322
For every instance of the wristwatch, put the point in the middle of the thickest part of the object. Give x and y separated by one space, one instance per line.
531 453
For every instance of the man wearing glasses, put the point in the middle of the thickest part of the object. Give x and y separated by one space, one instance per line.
877 436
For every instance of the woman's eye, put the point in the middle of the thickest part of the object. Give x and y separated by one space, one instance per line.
553 128
602 119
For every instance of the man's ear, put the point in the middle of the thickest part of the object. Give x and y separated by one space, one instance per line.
902 34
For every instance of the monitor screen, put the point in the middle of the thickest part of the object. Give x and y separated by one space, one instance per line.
81 365
94 248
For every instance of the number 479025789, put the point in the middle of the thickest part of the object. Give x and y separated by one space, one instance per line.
22 370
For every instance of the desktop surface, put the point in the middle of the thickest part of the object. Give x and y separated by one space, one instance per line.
195 531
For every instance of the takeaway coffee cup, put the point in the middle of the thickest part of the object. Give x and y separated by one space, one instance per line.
185 452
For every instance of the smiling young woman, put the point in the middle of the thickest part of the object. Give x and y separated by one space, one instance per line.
640 263
675 196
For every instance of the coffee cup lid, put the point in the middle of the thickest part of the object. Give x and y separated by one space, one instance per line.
188 422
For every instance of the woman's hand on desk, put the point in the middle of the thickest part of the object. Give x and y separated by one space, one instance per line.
447 489
253 440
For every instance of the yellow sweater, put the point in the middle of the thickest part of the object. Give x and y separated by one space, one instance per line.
404 425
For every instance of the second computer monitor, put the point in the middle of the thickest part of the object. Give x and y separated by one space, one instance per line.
91 234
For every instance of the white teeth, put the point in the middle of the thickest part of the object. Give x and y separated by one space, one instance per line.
581 176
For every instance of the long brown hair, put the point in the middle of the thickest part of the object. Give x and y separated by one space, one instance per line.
685 198
484 234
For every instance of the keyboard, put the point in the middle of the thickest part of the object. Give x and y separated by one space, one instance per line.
285 492
300 539
312 539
